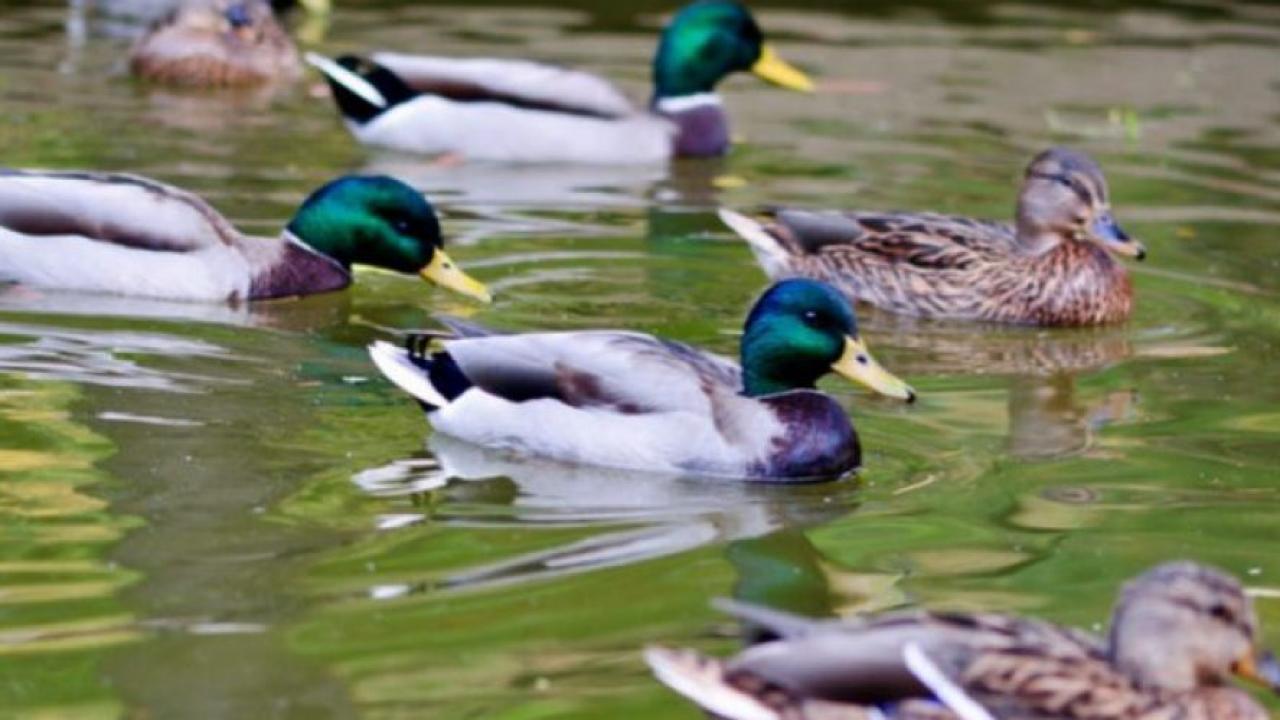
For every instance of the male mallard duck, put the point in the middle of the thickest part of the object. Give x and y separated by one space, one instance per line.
128 235
216 43
1050 268
629 400
1178 632
518 111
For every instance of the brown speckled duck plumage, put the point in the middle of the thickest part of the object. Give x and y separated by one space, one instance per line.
1178 633
216 43
1053 267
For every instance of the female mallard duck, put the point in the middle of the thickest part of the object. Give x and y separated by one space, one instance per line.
128 235
1050 268
1178 633
216 43
518 111
633 401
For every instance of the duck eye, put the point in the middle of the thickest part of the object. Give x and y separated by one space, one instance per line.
401 226
1222 612
811 318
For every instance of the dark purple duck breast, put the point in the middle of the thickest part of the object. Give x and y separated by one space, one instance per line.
818 441
298 271
702 130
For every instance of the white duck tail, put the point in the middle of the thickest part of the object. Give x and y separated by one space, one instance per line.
348 79
770 253
394 363
701 679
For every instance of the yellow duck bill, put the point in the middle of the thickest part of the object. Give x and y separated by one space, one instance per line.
857 365
443 271
774 69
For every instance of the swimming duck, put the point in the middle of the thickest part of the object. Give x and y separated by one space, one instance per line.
634 401
1178 633
1053 266
519 111
128 235
216 43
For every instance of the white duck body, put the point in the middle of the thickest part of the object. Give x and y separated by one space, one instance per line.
515 111
128 235
498 131
624 400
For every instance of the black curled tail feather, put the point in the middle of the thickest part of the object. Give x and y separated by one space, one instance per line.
441 369
355 106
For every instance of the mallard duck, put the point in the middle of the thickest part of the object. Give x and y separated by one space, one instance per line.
518 111
216 43
128 235
1054 266
1178 633
629 400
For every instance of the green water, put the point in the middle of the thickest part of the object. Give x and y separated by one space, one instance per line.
215 512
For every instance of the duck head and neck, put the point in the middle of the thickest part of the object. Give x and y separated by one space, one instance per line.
1182 627
705 42
799 331
1066 233
1064 199
379 221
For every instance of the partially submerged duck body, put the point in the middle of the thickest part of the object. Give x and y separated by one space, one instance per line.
129 235
633 401
522 111
216 43
1179 632
1054 266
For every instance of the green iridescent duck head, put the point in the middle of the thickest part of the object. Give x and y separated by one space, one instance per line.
1065 197
380 221
710 39
800 330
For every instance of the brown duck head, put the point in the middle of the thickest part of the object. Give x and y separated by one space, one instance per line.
1182 626
211 43
1064 198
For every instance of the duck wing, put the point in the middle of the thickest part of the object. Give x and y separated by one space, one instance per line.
926 241
521 83
978 666
983 664
630 373
120 209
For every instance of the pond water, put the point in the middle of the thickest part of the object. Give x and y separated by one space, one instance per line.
208 511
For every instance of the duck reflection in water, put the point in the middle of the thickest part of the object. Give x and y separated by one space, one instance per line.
641 516
1047 415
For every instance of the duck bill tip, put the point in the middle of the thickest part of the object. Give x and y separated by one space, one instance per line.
771 68
857 364
1259 668
444 272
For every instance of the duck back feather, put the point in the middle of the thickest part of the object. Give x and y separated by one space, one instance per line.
118 234
119 209
518 82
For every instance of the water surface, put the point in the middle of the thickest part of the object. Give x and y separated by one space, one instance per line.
215 511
